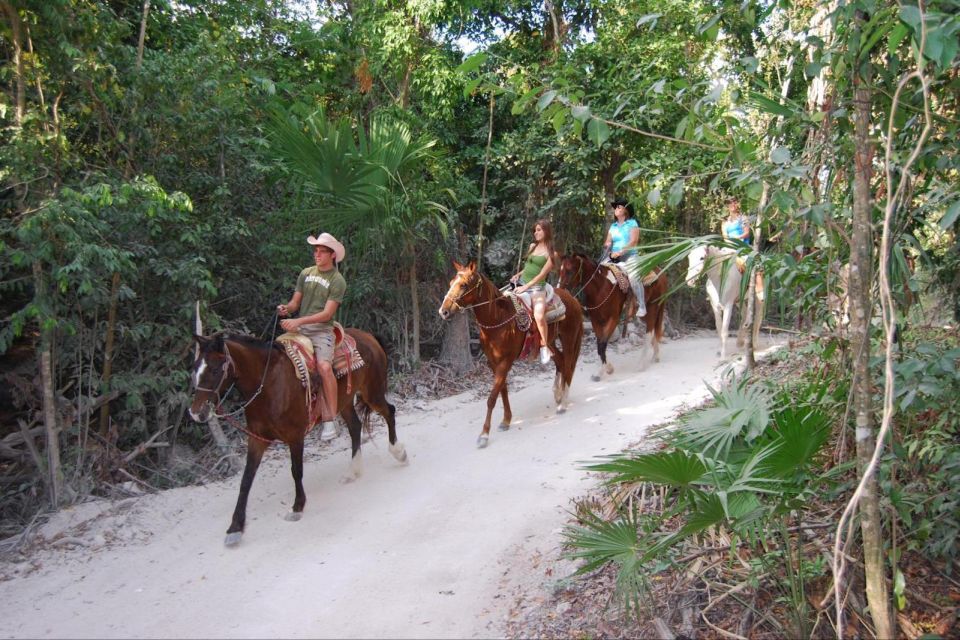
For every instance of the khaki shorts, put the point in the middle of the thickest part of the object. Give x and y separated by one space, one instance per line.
322 339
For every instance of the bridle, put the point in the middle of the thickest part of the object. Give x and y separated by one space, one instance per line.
225 371
456 302
580 273
589 280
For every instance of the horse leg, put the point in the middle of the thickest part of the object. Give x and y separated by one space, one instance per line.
559 386
296 469
570 332
631 310
758 319
499 386
389 414
354 427
725 329
255 450
602 352
507 412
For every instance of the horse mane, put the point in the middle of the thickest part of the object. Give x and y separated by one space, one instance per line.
248 340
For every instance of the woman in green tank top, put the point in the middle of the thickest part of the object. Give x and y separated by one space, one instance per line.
533 277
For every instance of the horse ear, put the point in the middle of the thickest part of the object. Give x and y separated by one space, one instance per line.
472 265
456 265
197 330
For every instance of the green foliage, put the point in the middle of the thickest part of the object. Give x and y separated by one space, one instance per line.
741 466
921 473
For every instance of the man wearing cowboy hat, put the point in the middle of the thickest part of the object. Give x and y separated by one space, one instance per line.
319 292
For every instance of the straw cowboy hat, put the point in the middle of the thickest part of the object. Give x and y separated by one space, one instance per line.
328 241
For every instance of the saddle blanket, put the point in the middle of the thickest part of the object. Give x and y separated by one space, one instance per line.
299 349
617 275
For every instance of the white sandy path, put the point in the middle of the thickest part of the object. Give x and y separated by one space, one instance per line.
425 551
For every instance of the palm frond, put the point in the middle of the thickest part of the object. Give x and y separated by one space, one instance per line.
674 468
599 541
743 412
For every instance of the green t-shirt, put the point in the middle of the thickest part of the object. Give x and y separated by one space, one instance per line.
317 287
532 267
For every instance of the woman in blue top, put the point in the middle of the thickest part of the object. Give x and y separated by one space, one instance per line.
532 279
736 226
621 245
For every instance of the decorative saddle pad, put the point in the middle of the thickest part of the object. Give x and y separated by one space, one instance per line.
618 276
299 349
556 310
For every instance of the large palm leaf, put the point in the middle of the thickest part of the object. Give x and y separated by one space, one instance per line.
325 161
742 412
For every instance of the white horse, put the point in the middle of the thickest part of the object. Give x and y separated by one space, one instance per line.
723 290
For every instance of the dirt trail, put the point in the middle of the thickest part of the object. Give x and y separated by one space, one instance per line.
436 549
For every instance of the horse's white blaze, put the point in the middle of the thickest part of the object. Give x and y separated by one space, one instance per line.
199 372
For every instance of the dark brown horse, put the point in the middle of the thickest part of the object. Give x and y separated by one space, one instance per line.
502 341
605 302
275 408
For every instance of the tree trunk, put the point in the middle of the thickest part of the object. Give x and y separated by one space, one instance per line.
16 37
483 189
414 305
47 383
108 357
143 33
861 274
751 314
456 337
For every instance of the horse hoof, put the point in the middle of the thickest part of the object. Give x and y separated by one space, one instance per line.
347 478
399 453
609 369
232 539
483 441
293 516
503 426
561 410
595 378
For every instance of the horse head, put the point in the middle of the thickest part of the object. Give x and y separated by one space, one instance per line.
695 261
570 271
212 371
463 289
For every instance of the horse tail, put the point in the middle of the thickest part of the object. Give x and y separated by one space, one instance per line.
363 412
383 345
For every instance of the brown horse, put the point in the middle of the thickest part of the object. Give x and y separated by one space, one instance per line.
605 302
275 407
502 341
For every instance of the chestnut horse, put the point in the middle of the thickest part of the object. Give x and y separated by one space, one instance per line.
502 341
275 407
605 302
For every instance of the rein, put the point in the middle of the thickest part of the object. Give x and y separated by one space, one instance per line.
226 368
456 301
589 280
